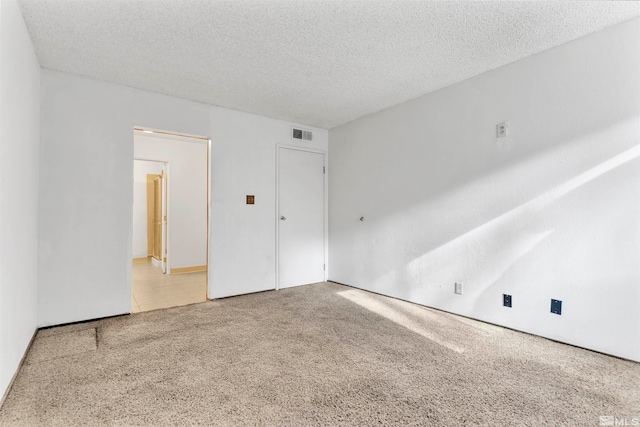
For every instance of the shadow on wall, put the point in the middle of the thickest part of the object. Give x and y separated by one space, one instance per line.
510 236
549 211
564 240
487 210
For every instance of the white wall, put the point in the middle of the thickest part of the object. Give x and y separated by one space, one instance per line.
86 190
187 198
551 211
19 133
86 193
141 169
243 257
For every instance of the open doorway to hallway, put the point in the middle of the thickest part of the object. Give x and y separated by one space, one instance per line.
169 220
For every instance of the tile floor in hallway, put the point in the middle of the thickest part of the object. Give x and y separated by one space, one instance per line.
153 290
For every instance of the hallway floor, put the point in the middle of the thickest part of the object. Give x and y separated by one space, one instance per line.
153 290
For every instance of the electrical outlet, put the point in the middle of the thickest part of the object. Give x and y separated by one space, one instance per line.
458 288
506 300
502 129
556 306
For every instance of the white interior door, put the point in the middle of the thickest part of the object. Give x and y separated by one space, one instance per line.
165 266
301 217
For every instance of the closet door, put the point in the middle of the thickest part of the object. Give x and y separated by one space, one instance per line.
301 233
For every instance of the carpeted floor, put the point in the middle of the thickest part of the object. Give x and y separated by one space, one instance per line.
321 354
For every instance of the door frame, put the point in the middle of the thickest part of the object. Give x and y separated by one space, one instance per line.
325 203
208 143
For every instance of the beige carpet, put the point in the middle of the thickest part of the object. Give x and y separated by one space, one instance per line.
322 354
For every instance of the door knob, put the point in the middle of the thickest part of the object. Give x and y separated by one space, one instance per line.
282 218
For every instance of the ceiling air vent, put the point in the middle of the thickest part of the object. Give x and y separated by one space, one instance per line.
303 135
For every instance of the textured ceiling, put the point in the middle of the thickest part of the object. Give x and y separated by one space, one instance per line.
315 62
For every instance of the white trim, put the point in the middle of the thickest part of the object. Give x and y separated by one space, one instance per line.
277 220
156 133
209 210
325 203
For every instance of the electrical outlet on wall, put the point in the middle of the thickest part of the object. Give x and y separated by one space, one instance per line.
506 300
504 142
502 129
458 288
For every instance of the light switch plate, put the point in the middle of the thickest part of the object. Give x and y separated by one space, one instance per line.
458 288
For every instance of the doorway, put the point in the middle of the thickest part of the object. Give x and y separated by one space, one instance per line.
149 212
301 217
170 224
155 216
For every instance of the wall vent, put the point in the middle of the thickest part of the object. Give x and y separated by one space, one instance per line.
301 134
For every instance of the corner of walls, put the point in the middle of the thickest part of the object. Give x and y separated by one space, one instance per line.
19 176
86 190
86 193
243 237
550 211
